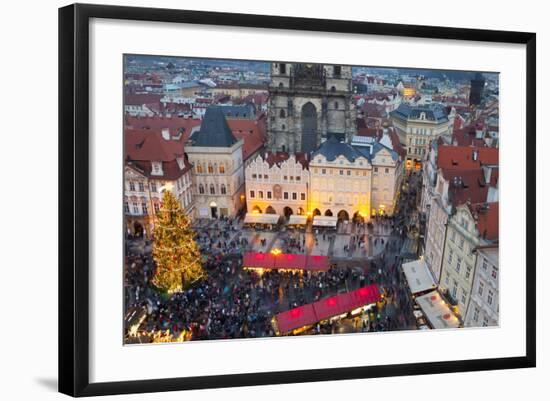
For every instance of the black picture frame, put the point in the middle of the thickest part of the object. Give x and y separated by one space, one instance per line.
74 198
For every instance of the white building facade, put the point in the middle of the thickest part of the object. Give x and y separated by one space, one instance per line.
484 304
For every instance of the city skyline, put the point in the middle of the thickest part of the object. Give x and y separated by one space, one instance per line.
307 198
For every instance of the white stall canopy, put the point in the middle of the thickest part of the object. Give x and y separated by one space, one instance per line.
261 218
297 219
418 276
437 311
325 221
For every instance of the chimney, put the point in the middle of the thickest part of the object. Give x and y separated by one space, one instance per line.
166 134
487 174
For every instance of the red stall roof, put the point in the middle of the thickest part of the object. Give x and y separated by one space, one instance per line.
290 261
326 308
294 318
285 261
258 259
317 262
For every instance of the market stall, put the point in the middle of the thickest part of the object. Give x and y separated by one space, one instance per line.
437 311
418 276
325 221
261 218
338 306
297 220
284 262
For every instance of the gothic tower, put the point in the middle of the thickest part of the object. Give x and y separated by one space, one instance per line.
308 103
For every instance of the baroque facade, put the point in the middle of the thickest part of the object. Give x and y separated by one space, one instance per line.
354 181
309 103
277 183
417 126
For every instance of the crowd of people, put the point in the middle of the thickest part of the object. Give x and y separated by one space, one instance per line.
235 303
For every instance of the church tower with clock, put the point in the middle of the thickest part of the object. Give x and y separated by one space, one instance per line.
309 103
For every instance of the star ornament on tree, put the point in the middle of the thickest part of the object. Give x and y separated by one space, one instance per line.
176 254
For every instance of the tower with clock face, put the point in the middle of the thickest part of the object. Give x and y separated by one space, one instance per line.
309 103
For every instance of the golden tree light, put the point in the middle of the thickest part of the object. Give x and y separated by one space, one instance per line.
176 254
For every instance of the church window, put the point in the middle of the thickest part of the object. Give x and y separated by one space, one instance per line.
336 105
283 127
282 113
333 88
282 68
280 85
337 70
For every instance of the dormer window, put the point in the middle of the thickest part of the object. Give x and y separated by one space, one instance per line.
156 168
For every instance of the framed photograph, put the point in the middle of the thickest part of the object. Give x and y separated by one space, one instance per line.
251 199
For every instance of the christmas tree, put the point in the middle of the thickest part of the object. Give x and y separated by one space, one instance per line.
177 256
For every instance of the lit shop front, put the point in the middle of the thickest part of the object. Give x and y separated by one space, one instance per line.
349 304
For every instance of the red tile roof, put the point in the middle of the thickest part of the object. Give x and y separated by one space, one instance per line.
487 217
462 157
253 132
149 145
279 157
140 99
468 185
144 146
174 123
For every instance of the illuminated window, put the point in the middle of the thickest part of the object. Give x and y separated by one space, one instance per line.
222 169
